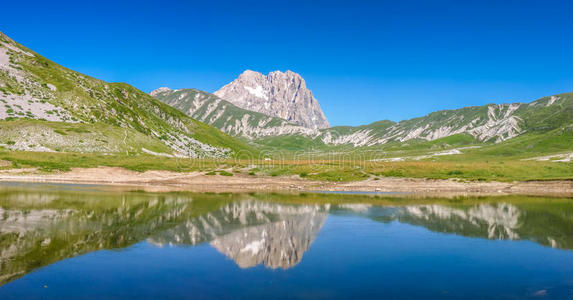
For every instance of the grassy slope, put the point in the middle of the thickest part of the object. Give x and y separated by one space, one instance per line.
540 116
500 162
77 137
93 101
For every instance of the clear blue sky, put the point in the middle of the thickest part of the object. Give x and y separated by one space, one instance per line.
364 60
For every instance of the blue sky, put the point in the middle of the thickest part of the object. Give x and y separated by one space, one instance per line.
364 60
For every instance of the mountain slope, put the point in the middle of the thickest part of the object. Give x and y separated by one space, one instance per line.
492 123
32 87
278 94
227 117
488 123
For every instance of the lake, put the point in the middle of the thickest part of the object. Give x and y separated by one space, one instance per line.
93 242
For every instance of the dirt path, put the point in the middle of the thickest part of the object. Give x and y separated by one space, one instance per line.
199 182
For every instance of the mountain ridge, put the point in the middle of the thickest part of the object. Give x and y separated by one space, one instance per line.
488 123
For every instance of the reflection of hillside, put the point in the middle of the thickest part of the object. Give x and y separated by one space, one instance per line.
492 221
546 224
252 233
39 229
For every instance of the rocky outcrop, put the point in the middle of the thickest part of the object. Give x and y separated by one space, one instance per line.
278 94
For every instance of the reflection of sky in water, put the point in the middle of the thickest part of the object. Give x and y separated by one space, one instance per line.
351 257
173 245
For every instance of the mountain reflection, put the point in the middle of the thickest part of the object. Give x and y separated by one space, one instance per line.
44 226
544 223
499 221
252 233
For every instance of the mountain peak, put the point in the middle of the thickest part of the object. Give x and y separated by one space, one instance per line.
250 73
159 91
277 94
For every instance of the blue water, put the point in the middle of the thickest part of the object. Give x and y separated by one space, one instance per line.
352 254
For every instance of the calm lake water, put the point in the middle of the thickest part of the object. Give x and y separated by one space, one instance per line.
64 241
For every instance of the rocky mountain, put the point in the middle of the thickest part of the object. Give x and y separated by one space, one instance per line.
47 107
493 123
278 94
227 117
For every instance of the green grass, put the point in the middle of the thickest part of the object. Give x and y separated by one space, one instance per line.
498 170
50 161
499 162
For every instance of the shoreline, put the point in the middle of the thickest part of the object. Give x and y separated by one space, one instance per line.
166 181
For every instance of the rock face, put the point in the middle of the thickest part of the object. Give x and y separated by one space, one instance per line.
227 117
277 94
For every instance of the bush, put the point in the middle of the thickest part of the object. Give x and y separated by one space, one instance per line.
455 172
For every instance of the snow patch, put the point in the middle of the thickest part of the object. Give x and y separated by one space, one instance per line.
257 92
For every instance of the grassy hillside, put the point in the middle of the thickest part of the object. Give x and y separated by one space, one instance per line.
35 88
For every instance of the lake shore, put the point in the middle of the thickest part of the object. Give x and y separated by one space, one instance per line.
165 181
